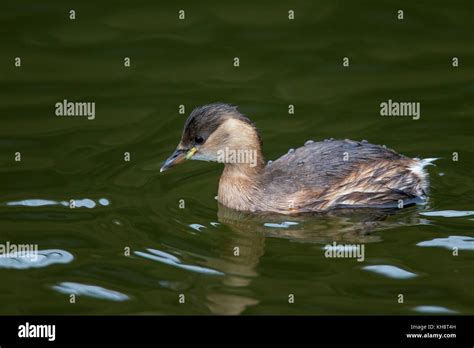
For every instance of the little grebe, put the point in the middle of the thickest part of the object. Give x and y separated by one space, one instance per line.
315 177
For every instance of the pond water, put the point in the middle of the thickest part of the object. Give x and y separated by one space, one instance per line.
128 246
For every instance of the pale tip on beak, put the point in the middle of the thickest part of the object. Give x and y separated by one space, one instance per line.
176 157
179 156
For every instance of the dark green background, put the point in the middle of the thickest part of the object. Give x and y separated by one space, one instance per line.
190 62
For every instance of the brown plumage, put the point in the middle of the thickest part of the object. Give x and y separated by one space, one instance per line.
315 177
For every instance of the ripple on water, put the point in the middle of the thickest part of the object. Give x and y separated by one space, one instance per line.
168 259
448 213
42 258
284 224
89 290
390 271
459 242
197 227
433 309
78 203
34 203
164 255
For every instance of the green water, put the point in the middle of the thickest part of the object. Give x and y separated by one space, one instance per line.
123 206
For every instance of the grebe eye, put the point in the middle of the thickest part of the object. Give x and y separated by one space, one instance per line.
199 140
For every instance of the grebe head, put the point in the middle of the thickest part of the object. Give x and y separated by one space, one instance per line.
213 131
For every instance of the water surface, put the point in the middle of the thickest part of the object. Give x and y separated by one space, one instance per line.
128 248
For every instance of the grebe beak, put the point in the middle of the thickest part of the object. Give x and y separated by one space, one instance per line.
177 157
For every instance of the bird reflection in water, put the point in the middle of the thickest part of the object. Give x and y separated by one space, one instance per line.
249 232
